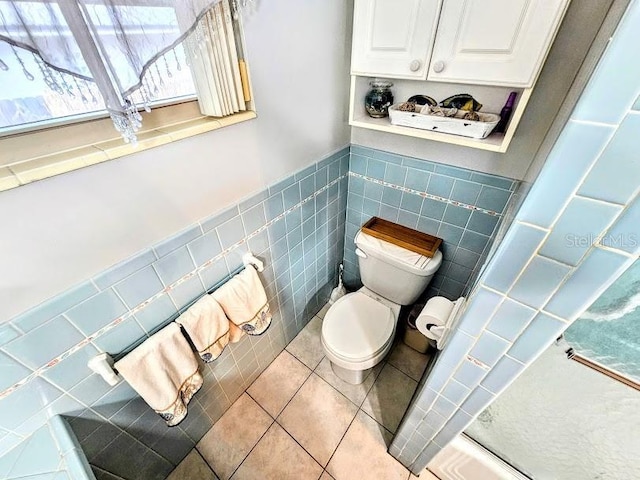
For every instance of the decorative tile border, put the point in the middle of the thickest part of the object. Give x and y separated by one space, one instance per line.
38 372
424 194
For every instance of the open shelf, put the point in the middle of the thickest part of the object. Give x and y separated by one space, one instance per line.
493 142
492 97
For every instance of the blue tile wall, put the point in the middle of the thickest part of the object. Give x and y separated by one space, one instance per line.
579 142
618 163
122 306
462 207
37 456
573 236
619 91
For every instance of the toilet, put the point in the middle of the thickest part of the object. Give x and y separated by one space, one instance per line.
359 328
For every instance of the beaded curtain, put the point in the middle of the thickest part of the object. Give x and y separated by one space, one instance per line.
114 47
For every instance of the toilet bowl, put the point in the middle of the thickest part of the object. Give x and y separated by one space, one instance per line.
354 343
358 330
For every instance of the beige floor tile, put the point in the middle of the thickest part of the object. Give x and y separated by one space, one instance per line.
225 446
363 453
317 417
355 393
192 467
307 346
278 383
389 397
323 311
278 457
425 475
407 360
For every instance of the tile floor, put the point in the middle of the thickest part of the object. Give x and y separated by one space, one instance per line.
299 421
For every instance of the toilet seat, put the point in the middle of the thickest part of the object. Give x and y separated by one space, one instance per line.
358 328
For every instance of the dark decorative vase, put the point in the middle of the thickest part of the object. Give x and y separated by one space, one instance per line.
379 98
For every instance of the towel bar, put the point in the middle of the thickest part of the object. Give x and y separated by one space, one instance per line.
249 259
102 364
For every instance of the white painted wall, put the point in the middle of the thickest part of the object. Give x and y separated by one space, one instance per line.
61 231
574 38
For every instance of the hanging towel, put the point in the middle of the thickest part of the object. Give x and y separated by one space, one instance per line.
164 371
244 301
235 333
207 326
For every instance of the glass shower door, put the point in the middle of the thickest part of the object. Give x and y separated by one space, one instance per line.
561 420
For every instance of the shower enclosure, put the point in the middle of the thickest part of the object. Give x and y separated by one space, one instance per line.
567 420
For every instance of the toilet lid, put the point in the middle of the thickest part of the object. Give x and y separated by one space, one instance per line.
357 326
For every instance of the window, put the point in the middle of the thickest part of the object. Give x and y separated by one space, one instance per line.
64 61
29 103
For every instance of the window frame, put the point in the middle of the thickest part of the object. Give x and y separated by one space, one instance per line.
36 155
598 367
84 117
33 154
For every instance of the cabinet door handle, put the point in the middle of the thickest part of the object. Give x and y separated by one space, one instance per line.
415 65
438 66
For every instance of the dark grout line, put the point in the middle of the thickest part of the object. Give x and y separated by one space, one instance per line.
252 448
406 375
383 363
436 476
288 433
271 425
302 447
377 421
342 438
117 477
288 402
204 460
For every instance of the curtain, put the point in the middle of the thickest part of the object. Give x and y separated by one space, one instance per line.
118 46
215 64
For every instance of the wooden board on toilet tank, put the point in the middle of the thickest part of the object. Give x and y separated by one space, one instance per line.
402 236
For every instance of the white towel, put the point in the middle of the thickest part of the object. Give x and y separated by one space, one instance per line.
244 301
401 254
164 371
207 327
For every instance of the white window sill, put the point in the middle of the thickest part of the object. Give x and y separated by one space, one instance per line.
42 154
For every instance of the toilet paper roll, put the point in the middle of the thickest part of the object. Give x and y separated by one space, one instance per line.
434 316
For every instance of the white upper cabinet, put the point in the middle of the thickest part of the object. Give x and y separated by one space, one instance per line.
393 38
494 42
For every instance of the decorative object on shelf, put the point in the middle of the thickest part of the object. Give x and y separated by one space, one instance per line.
423 100
456 124
439 111
461 101
473 116
407 107
379 98
505 113
418 103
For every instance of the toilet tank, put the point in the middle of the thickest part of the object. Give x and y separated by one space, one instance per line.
393 272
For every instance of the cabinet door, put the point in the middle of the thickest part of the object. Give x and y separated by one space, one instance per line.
496 42
393 38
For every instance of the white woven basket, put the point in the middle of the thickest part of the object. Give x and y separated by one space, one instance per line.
452 125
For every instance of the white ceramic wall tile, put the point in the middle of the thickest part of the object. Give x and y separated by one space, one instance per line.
608 86
575 151
509 262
